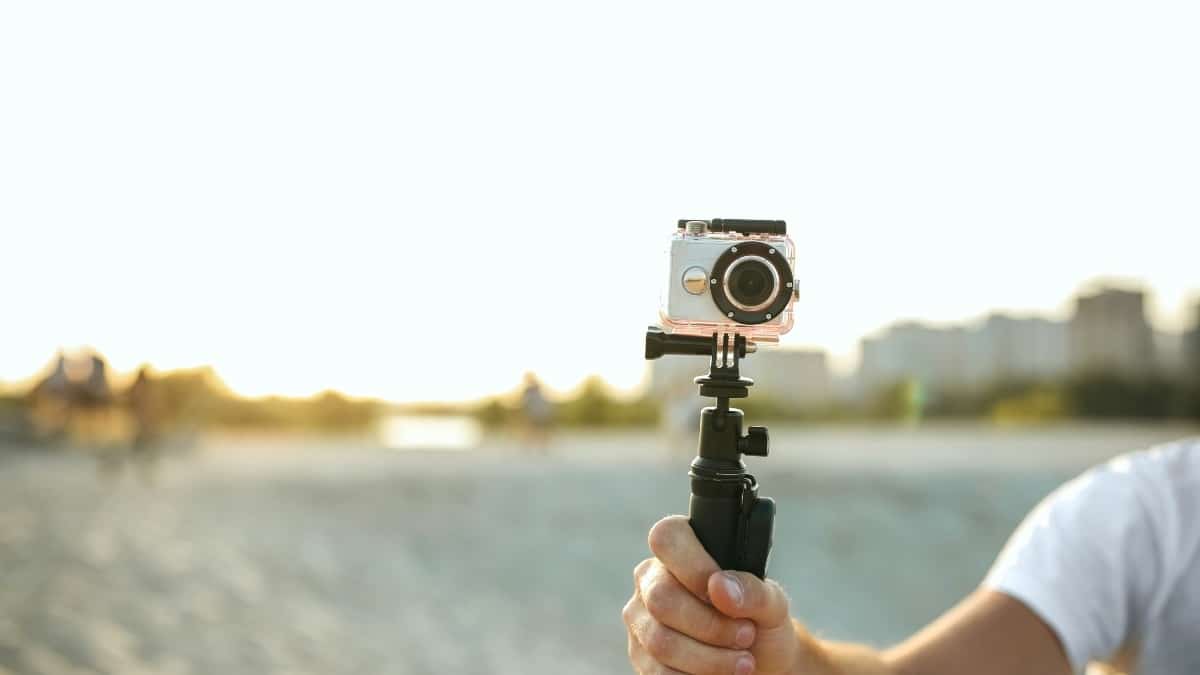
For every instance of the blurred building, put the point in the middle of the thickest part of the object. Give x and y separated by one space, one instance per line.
1169 353
960 358
1109 332
933 356
1005 348
1191 345
675 374
796 379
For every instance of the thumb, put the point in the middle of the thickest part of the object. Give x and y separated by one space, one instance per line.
742 595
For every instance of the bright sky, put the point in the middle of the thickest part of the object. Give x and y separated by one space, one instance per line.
424 200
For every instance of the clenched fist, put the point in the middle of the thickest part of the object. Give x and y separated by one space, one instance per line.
687 616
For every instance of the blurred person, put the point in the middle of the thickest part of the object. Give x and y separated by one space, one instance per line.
680 417
50 401
537 414
94 417
56 383
1102 577
144 398
95 391
74 401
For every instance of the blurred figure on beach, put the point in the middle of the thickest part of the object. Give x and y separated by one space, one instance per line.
537 415
144 399
49 402
74 405
680 421
74 401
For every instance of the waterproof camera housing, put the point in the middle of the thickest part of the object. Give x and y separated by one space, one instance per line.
730 276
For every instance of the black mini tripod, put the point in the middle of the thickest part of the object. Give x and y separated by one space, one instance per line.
732 522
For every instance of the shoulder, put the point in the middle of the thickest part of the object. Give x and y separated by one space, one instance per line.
1156 490
1101 554
1150 498
1177 462
1152 483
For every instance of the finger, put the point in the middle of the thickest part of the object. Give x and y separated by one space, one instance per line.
641 569
743 595
643 663
776 645
668 601
675 650
675 544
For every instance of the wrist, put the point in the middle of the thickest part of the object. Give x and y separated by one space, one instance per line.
810 655
819 657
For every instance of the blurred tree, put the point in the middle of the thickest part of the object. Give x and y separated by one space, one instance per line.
902 400
493 413
592 406
1037 404
1101 395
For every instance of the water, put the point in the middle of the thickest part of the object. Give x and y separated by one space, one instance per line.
418 432
339 558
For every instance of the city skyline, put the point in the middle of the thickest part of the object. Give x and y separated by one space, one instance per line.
1108 332
825 381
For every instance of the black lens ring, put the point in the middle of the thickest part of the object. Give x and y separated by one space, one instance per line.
774 257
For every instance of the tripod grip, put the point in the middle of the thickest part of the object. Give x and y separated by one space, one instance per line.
736 539
715 522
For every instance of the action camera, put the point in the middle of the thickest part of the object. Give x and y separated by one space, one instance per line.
730 276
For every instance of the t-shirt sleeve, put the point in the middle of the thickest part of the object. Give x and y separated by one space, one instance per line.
1094 559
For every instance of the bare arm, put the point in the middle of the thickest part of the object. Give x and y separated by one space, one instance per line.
685 617
987 633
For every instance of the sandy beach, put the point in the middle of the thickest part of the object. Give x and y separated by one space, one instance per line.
253 557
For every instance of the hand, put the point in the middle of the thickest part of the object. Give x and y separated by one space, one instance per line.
688 617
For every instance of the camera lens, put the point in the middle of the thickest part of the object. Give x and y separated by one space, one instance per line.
751 283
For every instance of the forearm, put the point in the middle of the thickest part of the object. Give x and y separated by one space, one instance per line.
988 633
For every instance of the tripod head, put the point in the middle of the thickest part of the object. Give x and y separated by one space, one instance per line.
732 522
723 382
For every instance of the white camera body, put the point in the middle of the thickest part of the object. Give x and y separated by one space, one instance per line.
736 281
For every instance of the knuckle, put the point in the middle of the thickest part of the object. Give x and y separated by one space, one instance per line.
715 629
660 642
641 568
776 590
629 611
660 599
776 599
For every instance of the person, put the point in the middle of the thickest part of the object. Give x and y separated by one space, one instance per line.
537 414
144 400
680 417
50 402
95 392
1105 571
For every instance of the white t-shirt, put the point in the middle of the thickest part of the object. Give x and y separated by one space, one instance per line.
1111 562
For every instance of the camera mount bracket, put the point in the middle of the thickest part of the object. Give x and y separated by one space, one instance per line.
732 522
